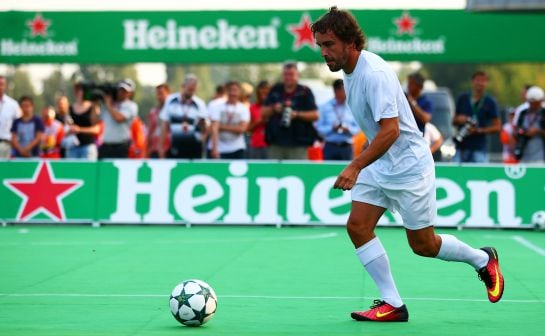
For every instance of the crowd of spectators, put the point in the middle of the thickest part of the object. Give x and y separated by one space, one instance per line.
282 122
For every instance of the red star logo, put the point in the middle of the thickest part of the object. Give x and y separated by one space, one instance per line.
405 24
302 33
38 26
42 193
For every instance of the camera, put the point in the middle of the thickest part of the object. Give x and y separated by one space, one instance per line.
286 116
463 132
96 91
522 140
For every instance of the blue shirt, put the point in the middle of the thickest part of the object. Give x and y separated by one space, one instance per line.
424 104
26 130
484 111
331 114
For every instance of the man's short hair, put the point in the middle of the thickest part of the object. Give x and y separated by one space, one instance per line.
338 84
290 65
418 78
220 89
343 24
26 98
190 78
262 84
478 73
163 86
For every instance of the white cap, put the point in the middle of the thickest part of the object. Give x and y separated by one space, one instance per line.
535 93
127 85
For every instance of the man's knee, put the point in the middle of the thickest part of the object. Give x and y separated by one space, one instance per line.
358 233
428 249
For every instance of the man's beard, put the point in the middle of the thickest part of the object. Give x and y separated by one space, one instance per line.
334 67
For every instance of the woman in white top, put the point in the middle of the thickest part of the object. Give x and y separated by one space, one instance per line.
229 122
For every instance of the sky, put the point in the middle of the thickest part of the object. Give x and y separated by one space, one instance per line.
153 73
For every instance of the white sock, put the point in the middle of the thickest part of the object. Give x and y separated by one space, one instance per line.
453 249
373 257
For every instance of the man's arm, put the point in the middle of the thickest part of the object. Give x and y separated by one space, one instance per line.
162 135
386 136
419 113
238 128
308 116
214 139
495 127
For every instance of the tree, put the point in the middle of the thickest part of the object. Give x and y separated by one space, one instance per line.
20 84
54 86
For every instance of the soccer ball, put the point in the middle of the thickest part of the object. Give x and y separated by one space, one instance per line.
193 302
538 220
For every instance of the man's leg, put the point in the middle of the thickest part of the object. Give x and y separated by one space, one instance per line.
447 247
418 210
361 224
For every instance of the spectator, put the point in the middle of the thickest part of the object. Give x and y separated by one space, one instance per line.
184 114
154 129
62 113
524 105
530 129
258 148
118 116
476 116
229 122
53 134
62 109
26 131
337 126
82 122
420 104
246 91
290 111
434 139
9 111
507 138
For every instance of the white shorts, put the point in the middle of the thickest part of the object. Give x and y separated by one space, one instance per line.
415 201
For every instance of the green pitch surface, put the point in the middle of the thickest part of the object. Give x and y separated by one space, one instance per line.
116 280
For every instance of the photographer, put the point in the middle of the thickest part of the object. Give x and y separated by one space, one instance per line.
289 113
530 129
117 116
476 117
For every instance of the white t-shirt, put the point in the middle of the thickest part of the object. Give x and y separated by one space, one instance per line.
374 93
9 111
229 142
431 134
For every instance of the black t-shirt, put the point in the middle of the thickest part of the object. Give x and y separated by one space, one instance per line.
299 133
83 120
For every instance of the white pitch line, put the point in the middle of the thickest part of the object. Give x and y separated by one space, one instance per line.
267 297
174 241
526 243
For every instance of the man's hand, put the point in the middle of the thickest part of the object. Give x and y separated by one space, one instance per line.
347 178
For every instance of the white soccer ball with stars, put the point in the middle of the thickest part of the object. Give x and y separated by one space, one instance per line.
538 220
193 302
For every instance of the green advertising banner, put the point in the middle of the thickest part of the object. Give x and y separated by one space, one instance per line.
263 36
254 193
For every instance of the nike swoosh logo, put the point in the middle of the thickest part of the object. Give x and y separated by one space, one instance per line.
379 314
496 290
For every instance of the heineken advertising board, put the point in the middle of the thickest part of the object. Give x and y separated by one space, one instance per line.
263 36
254 193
